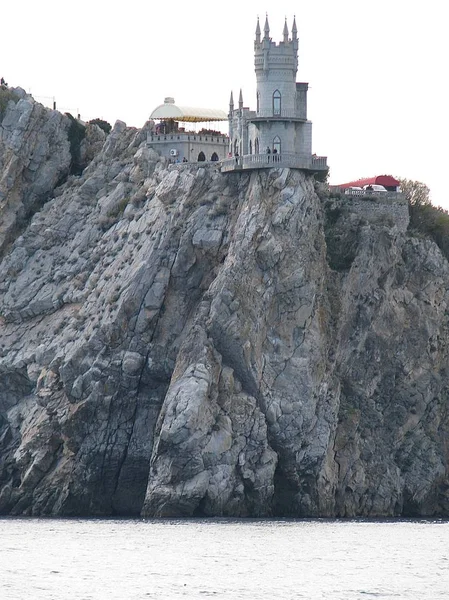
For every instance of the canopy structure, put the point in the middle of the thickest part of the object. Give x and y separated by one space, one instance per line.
386 180
170 111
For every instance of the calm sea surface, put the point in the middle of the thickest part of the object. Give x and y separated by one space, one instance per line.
266 560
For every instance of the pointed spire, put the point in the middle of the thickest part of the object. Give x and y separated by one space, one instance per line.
241 99
285 31
266 28
231 102
294 30
258 31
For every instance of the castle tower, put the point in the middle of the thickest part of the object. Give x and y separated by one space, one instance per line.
281 114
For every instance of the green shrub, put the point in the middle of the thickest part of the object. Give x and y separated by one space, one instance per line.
119 208
433 222
425 219
104 125
5 96
76 134
342 238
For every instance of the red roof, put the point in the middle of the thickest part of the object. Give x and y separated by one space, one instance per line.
385 180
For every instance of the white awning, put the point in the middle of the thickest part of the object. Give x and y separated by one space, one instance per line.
170 111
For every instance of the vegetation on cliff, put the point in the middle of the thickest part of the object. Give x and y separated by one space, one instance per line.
104 125
425 218
6 95
77 132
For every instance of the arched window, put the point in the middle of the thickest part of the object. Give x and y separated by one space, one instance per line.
250 146
277 145
201 157
236 147
256 146
276 102
257 102
214 157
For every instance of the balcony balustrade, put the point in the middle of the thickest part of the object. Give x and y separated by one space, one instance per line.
267 161
283 114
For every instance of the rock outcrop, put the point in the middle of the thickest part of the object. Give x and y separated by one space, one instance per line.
37 149
177 341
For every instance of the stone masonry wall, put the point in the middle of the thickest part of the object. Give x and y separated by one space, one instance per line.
380 211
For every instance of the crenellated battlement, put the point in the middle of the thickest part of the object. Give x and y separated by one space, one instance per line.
269 55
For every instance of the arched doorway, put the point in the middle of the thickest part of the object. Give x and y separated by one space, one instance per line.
276 147
201 157
214 157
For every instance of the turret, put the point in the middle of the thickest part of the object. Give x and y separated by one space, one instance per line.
231 103
294 31
295 39
240 99
266 29
258 32
285 31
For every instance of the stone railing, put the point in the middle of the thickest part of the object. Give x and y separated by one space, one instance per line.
284 114
319 163
266 161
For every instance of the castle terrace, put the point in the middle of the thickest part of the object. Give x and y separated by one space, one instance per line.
168 137
267 161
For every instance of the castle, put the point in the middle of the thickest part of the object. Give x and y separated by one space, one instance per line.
277 133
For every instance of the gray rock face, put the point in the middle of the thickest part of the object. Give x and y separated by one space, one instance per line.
175 341
34 156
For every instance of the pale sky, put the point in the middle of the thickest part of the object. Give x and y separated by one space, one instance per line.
377 69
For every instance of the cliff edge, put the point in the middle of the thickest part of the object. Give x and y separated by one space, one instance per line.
175 341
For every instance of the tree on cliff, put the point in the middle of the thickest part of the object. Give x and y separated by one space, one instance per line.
102 124
416 192
432 221
5 96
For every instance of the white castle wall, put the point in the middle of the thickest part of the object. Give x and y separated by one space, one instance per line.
276 70
189 146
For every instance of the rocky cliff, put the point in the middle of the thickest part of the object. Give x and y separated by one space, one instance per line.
177 341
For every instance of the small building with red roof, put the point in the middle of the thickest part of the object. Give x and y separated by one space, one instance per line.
390 183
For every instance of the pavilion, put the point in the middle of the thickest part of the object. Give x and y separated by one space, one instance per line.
171 136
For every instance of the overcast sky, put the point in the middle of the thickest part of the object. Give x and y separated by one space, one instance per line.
377 69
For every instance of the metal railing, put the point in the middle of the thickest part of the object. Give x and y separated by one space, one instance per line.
267 161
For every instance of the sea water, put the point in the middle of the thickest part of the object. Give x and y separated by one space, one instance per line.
223 559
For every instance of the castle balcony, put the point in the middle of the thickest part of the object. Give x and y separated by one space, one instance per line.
278 161
267 115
